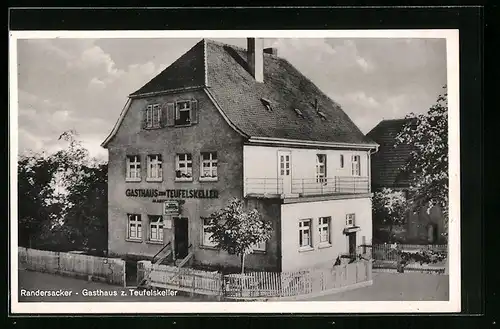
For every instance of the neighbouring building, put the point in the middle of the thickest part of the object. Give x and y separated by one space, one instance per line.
224 122
386 172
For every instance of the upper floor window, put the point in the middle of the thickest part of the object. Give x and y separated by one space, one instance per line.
154 168
208 170
321 168
186 112
305 233
356 166
350 220
183 167
133 168
153 116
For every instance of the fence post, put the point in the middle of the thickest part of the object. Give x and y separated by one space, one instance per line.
193 285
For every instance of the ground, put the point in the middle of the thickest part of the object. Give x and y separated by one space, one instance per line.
397 287
386 287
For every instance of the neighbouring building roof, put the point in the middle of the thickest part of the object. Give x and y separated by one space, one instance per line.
387 163
266 110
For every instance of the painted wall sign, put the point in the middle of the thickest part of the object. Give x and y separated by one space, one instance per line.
179 194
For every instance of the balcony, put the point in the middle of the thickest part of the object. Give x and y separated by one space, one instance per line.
302 187
330 185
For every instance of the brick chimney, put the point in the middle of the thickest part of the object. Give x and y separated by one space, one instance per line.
255 58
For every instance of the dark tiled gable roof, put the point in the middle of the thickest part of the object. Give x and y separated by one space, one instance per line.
239 95
388 161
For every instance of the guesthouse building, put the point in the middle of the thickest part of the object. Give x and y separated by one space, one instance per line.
224 122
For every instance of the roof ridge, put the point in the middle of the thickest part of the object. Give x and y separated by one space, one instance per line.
223 44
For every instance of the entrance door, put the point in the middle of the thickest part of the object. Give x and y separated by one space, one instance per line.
181 237
352 243
285 172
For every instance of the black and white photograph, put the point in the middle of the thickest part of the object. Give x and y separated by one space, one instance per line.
235 171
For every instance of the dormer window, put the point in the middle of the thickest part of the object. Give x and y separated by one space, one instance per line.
322 115
267 104
299 113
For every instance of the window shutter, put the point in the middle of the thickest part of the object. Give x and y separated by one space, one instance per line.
194 111
144 118
169 116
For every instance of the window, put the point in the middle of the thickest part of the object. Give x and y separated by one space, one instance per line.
267 104
207 241
259 246
356 170
324 229
341 161
305 233
153 116
184 167
156 228
321 168
154 167
285 165
208 170
134 226
183 113
350 220
133 168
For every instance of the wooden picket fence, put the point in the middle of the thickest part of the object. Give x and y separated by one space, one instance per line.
110 270
255 285
387 256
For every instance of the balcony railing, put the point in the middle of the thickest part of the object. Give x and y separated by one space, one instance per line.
308 186
330 185
264 186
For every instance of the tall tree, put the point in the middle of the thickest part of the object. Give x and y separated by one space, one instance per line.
427 166
238 231
63 198
389 208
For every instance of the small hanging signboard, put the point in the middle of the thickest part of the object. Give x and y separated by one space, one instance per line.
171 207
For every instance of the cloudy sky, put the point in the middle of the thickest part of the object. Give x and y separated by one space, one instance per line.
82 84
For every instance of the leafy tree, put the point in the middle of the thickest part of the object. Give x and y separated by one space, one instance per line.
37 206
62 198
238 231
389 207
427 166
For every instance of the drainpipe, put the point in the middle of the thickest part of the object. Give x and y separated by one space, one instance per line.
370 167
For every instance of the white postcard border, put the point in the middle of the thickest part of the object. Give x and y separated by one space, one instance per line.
453 305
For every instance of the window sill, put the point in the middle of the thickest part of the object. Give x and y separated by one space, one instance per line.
152 128
324 245
260 252
154 242
183 180
183 125
132 180
133 240
208 179
154 179
304 249
208 247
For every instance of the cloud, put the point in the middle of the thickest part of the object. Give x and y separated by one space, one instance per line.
82 84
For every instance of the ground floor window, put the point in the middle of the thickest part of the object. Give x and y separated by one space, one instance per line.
156 228
134 226
207 241
305 233
324 230
259 246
